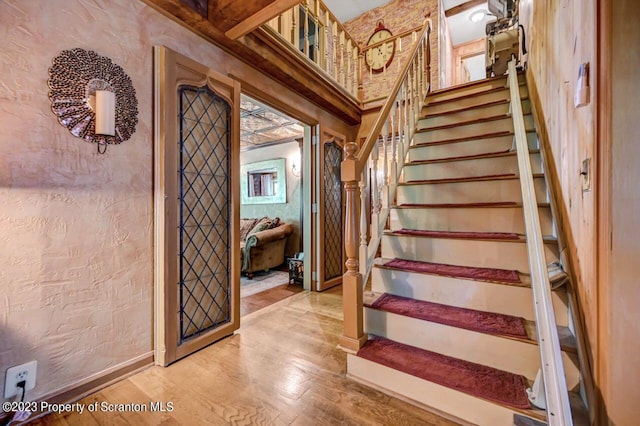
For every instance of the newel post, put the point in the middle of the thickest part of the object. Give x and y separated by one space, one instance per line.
353 336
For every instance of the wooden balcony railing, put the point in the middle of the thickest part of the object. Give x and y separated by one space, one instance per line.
370 174
316 33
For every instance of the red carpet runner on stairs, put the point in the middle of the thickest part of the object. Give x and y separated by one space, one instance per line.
474 379
456 271
469 319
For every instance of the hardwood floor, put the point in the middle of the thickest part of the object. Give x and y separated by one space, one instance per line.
282 367
268 297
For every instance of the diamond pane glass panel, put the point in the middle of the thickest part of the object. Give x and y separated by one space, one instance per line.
333 212
204 261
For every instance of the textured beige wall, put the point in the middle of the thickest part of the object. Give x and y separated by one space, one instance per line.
76 243
561 35
75 226
287 212
398 16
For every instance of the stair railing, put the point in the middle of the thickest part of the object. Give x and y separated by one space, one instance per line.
553 376
312 30
370 174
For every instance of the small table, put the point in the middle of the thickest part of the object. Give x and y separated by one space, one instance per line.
296 271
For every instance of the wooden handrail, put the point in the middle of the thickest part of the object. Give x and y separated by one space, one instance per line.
555 384
383 152
387 40
352 169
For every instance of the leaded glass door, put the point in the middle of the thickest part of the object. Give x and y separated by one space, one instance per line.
204 212
197 162
331 211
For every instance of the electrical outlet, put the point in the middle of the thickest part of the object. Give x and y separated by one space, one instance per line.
26 372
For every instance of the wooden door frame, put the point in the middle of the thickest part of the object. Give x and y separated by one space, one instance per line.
170 71
308 170
459 57
603 170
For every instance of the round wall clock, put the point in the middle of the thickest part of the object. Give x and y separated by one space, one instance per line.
378 58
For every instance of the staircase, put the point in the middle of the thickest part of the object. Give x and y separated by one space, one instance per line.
450 312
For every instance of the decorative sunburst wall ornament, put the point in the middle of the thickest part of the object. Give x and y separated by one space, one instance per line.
74 78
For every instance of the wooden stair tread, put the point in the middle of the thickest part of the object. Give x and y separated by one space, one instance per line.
463 236
465 139
567 341
464 123
496 154
468 84
462 96
525 279
428 115
440 369
505 176
492 275
500 325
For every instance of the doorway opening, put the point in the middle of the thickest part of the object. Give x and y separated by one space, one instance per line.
271 199
473 68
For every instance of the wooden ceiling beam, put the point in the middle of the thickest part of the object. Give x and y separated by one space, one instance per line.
463 7
260 17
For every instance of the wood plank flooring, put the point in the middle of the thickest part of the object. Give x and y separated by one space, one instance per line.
268 297
282 368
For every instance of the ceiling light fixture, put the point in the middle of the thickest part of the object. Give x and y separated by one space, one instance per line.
477 16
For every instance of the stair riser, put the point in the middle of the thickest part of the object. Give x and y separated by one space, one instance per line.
466 90
393 382
510 355
475 253
500 219
482 296
472 114
468 168
455 104
468 192
472 147
471 130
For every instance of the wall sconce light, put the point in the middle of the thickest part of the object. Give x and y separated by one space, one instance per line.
295 169
105 113
93 98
